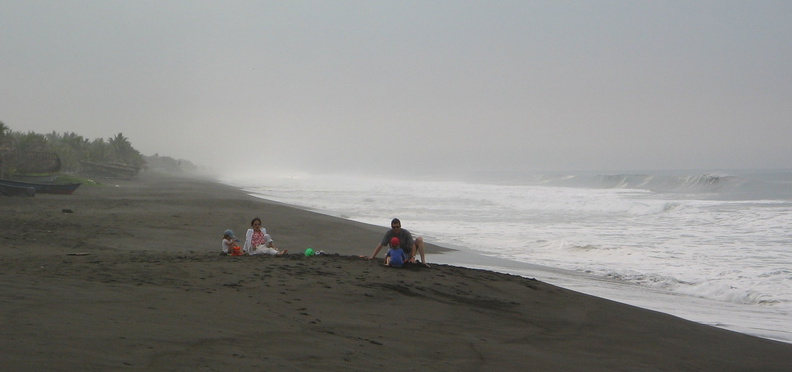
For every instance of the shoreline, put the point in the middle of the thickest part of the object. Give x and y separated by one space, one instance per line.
133 279
726 315
745 319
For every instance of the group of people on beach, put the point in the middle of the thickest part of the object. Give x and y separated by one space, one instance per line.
257 241
398 240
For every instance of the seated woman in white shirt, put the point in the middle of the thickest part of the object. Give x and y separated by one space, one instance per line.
257 241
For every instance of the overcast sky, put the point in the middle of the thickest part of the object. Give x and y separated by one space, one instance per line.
418 86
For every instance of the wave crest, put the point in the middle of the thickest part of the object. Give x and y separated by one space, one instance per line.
719 290
697 183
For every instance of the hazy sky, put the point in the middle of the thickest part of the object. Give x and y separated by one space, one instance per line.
410 85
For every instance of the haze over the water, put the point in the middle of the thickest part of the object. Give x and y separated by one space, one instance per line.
405 86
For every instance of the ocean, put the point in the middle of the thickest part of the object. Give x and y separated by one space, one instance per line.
711 247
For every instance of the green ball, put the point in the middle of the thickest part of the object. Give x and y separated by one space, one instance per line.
309 252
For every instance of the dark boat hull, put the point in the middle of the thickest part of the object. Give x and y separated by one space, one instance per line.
8 190
44 188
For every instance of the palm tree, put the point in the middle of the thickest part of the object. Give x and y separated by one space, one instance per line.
120 146
30 141
97 150
71 147
124 151
4 131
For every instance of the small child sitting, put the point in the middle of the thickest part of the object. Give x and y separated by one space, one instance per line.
229 244
395 256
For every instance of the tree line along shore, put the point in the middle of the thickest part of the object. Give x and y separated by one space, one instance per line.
31 153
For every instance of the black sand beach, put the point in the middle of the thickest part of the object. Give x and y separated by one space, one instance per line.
132 279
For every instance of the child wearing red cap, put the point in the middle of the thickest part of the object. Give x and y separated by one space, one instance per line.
395 256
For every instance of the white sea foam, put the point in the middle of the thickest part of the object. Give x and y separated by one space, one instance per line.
701 239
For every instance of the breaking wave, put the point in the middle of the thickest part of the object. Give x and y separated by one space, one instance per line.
697 183
720 290
732 187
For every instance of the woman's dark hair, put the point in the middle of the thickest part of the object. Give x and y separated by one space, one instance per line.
254 221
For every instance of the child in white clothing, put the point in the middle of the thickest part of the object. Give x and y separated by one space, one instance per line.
229 244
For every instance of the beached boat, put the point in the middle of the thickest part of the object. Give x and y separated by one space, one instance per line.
44 188
9 190
39 178
109 170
